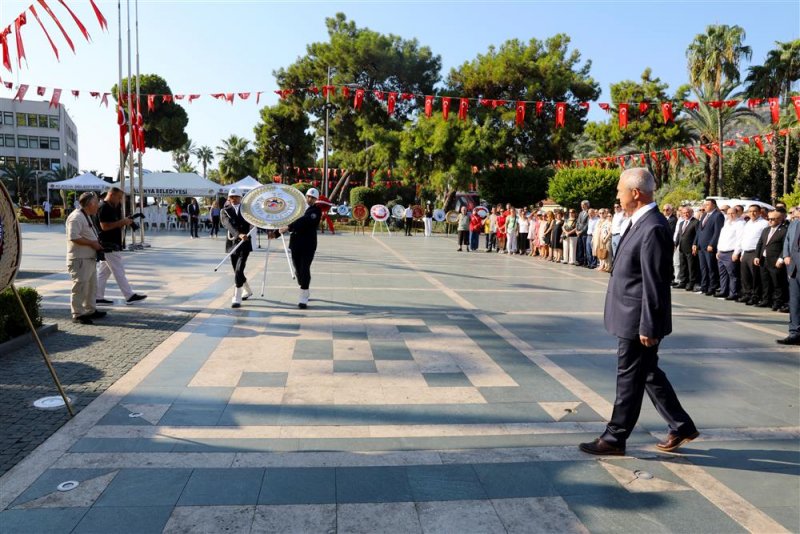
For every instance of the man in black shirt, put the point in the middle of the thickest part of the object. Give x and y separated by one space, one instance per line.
111 224
238 229
303 244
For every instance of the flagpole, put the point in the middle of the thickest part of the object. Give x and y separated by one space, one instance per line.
119 103
325 149
138 112
130 119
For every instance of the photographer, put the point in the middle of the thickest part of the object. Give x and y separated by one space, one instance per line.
111 225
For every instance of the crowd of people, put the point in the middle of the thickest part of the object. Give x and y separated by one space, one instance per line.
721 251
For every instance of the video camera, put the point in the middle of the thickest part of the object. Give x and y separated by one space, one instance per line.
134 224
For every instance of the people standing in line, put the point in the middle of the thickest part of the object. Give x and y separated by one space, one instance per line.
215 213
501 230
522 236
427 220
533 233
546 235
557 243
463 229
238 230
193 210
706 247
791 259
591 258
47 208
409 219
746 254
672 219
638 312
83 247
684 237
491 230
774 285
112 228
603 237
581 227
512 230
475 229
570 237
729 239
303 244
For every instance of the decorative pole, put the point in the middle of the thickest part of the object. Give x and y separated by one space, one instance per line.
138 110
325 149
130 120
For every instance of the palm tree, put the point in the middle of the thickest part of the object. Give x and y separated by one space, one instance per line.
714 59
181 155
705 123
205 156
236 159
775 77
184 167
18 174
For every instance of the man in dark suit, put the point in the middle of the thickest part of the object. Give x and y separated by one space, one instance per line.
769 257
582 226
638 311
238 229
706 246
193 209
684 235
791 259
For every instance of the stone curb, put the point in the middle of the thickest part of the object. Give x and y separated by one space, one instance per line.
26 338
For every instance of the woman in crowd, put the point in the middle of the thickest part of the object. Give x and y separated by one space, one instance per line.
512 230
463 229
570 237
600 231
501 230
556 243
215 218
522 238
533 233
547 235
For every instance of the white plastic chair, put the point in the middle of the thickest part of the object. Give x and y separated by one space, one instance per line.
172 222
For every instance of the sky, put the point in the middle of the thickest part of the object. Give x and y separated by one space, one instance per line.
234 46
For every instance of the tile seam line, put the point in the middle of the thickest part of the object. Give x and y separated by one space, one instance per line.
726 500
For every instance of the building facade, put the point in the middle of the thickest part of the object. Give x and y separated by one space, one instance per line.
41 137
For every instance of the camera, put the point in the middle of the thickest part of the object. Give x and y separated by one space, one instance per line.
101 255
134 224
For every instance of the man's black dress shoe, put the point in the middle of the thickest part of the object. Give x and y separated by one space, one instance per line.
784 309
83 319
602 448
103 301
674 441
732 298
97 314
719 294
790 340
763 304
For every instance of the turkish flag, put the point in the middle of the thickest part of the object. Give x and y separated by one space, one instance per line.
623 115
328 89
76 93
666 155
666 111
358 99
229 97
4 43
378 94
643 106
55 98
151 103
428 105
463 107
584 105
716 104
243 96
561 111
390 102
41 90
729 142
122 122
708 152
485 102
345 91
746 140
605 106
104 99
407 96
195 97
696 105
314 89
796 102
622 161
496 103
520 118
654 156
445 107
168 98
539 108
774 109
731 103
179 97
753 102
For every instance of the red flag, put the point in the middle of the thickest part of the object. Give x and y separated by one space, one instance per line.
643 106
696 105
75 93
407 96
122 122
769 137
753 102
358 99
4 42
52 44
584 105
193 97
58 23
654 156
729 142
731 103
445 107
100 18
666 111
19 22
168 98
21 90
179 97
605 106
55 98
463 107
378 94
539 108
328 89
716 104
520 118
282 93
222 95
243 96
496 103
485 102
708 152
41 90
716 148
746 140
8 85
94 94
759 144
81 27
667 155
229 97
642 160
345 91
390 102
622 161
561 111
774 109
623 115
104 100
151 103
796 102
428 105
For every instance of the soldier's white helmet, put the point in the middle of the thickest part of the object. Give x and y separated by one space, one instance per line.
234 192
313 193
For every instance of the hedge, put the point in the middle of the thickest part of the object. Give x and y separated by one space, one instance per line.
520 187
570 186
12 321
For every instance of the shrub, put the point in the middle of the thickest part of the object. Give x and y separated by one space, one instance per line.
570 186
791 200
12 321
520 187
679 192
746 174
303 186
365 195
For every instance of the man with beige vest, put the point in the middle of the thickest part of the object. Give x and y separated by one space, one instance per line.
82 248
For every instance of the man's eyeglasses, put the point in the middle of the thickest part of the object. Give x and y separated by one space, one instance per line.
773 218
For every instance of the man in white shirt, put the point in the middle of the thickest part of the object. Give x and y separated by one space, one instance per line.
82 248
729 238
409 216
617 222
47 208
745 253
591 259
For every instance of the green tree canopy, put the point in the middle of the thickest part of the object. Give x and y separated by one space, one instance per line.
570 186
282 139
236 159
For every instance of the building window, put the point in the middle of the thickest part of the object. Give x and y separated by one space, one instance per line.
54 122
22 119
42 121
33 120
24 161
33 142
55 164
44 143
22 141
5 160
2 140
8 118
55 143
35 165
10 141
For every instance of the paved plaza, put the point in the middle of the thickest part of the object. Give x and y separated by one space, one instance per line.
424 390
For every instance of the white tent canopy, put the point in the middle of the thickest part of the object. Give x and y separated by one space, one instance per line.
174 184
84 182
247 183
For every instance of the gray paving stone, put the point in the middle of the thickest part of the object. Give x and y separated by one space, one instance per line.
262 380
459 516
222 487
389 350
313 349
362 518
41 520
354 366
50 479
444 483
145 488
372 485
124 520
446 380
298 486
540 515
210 520
296 519
514 480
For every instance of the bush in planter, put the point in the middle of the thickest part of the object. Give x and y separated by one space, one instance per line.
12 321
570 186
